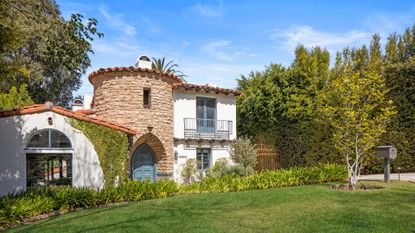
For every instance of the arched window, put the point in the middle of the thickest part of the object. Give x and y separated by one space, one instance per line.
49 138
50 164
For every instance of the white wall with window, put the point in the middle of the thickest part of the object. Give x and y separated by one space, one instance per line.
198 116
185 107
43 148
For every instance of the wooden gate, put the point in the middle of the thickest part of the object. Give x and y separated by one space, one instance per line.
268 157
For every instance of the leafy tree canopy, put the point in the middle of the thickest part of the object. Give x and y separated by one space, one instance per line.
42 50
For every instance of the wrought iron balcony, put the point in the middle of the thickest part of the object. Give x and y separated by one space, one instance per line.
195 128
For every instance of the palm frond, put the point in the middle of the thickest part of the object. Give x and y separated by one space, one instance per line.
169 67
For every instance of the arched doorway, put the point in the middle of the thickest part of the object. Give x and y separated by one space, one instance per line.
48 158
143 165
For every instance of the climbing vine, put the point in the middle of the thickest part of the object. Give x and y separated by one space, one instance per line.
111 147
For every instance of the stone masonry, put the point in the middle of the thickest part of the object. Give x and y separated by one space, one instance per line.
118 97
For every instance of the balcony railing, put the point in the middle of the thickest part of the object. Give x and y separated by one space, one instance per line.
207 129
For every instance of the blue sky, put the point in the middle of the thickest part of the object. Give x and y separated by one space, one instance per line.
217 41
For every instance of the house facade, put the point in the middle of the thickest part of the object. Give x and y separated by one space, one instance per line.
168 121
39 146
175 120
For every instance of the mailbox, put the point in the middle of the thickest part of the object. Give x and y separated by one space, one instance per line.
386 152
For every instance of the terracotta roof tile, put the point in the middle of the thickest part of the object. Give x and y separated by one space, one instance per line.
85 111
38 108
206 88
174 78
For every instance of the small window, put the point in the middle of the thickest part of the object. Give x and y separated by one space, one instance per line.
203 158
146 98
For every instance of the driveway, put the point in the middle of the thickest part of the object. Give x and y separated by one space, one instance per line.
394 176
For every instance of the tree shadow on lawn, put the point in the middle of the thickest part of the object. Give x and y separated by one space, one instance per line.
70 216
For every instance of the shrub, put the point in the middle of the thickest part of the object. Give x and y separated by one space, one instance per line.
37 201
243 153
269 179
222 168
189 171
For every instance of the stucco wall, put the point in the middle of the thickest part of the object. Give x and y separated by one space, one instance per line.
185 107
14 133
187 150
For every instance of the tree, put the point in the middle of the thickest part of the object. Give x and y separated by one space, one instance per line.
189 171
169 67
15 98
42 50
357 107
243 153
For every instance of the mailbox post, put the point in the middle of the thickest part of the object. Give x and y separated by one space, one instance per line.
386 153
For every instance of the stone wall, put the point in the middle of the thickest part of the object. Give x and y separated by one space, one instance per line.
118 97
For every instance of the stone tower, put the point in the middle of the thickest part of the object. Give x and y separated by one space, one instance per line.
143 99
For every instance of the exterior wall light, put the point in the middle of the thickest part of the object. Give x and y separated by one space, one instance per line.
50 121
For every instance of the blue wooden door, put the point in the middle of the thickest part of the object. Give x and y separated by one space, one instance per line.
143 164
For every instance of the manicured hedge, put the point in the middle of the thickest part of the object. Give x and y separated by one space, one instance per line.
33 202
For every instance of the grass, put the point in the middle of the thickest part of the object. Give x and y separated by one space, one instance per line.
311 208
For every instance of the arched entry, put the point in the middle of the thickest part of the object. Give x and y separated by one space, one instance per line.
143 165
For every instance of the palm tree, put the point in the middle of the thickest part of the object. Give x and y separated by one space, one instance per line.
169 67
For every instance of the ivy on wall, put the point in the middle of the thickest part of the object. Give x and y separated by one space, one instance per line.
111 147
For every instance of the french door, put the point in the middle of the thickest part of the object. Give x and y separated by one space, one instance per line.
205 114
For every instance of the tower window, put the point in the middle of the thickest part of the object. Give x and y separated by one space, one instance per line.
146 98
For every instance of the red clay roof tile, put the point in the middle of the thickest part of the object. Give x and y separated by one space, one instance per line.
85 111
174 78
38 108
206 88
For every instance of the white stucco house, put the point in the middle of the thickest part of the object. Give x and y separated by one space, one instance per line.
167 120
39 146
204 127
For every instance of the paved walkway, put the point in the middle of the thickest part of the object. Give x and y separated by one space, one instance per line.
394 176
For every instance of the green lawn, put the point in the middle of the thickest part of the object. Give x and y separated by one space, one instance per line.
312 208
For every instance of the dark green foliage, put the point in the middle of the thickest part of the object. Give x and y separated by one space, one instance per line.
270 179
111 147
400 78
42 50
281 104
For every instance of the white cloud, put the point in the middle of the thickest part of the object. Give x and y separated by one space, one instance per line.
209 11
216 48
116 48
116 21
221 74
223 50
386 23
309 37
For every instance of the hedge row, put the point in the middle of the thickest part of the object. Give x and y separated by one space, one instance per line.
33 202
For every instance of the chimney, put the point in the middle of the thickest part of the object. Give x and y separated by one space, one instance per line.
143 62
